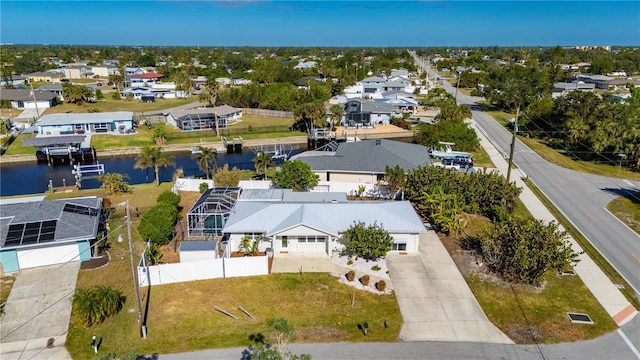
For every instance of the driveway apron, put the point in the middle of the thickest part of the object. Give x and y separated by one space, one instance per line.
36 318
435 300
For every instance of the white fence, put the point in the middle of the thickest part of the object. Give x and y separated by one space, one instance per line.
202 270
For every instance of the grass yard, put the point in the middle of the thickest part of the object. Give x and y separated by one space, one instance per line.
627 210
109 105
520 310
142 137
481 158
181 317
16 147
515 309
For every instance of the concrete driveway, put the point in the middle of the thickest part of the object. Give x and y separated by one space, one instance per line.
36 318
435 300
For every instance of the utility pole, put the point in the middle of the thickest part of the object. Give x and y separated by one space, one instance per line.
457 86
136 286
513 144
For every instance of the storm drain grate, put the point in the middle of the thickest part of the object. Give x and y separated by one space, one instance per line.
579 318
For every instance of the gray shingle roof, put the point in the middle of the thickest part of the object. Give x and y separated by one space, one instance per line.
70 226
330 218
197 246
25 95
371 156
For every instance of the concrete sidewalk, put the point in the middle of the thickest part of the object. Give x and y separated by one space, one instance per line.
598 283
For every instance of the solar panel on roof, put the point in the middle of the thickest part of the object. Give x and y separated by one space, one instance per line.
80 209
31 233
14 235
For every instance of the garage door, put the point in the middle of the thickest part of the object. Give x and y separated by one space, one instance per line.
48 256
312 243
400 242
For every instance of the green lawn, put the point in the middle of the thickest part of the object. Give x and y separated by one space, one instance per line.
16 147
513 308
626 209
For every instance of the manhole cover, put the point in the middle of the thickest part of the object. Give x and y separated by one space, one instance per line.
579 318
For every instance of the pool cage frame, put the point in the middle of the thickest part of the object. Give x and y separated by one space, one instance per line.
215 204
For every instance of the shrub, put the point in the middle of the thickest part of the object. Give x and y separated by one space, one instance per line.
375 268
365 280
168 198
203 187
157 224
351 275
367 241
94 110
381 285
349 262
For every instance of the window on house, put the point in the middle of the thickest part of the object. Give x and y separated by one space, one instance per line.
399 247
285 241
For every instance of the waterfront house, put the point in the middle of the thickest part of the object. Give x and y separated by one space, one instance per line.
363 113
64 124
203 118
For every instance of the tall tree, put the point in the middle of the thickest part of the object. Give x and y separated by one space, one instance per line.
206 159
296 175
337 112
153 157
263 161
395 178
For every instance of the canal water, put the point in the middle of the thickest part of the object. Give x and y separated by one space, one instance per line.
33 178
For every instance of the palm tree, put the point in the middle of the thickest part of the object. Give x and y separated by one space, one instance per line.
206 159
336 115
153 157
263 161
212 88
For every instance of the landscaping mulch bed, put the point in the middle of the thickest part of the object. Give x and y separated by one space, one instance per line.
96 262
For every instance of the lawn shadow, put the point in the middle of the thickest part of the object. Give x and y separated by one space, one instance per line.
632 194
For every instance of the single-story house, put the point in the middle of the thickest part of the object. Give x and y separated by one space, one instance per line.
562 88
359 112
203 118
143 93
37 232
45 76
317 227
365 162
26 99
13 80
55 88
145 79
104 71
61 124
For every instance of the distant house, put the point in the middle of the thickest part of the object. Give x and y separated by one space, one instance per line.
78 72
13 80
104 71
563 88
36 232
145 79
402 72
26 99
62 124
373 84
142 93
45 76
303 83
203 118
305 65
55 88
134 71
359 112
365 162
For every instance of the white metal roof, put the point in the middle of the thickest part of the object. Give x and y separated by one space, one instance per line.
65 119
330 218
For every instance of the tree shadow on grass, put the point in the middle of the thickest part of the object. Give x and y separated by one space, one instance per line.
632 194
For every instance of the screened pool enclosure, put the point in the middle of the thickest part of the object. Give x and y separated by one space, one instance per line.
209 214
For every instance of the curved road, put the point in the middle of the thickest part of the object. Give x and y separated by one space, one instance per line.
582 198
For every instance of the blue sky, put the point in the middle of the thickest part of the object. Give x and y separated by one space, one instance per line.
321 23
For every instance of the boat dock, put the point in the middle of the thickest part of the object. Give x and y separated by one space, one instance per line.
233 146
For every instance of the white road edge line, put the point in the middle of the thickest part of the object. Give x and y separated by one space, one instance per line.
629 344
629 183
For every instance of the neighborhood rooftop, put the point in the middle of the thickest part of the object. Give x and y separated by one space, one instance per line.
64 119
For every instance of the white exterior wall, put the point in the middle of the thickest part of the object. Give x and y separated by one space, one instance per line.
184 184
246 266
351 188
410 239
360 178
29 258
29 104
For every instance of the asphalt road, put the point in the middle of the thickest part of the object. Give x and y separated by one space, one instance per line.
582 198
610 346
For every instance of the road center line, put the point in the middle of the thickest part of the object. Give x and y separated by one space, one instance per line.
629 344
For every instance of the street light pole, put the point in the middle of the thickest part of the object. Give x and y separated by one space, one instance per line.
136 285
